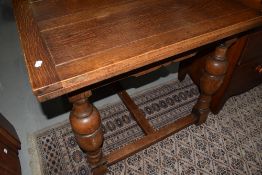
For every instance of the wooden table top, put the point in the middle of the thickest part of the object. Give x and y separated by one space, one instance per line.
82 42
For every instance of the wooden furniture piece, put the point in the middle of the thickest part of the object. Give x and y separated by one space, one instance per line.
9 146
256 4
244 70
74 46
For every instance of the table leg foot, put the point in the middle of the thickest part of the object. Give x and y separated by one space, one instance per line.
100 168
210 81
181 72
86 124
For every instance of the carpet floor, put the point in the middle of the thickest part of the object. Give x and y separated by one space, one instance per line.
228 143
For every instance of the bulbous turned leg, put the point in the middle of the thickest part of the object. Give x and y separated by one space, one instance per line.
86 125
210 81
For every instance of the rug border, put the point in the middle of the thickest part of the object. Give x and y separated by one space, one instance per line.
35 162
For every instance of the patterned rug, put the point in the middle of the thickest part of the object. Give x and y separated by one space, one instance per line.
228 143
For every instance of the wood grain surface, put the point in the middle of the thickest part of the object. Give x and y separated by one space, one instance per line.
44 79
84 42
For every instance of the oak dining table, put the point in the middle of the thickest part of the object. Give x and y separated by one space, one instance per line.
74 46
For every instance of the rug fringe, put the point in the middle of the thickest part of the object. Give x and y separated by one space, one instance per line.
34 163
